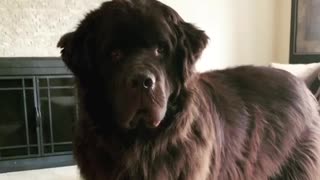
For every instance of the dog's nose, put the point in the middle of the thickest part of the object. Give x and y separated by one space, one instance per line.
148 83
144 80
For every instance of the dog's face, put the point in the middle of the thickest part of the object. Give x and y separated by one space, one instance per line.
136 56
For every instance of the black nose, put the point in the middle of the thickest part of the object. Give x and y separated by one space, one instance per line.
143 80
148 83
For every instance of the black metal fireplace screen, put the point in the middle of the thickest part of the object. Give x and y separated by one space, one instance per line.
36 116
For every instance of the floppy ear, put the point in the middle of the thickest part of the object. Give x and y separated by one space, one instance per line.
192 43
196 38
75 53
65 43
190 40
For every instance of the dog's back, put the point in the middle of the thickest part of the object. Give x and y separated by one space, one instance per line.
269 124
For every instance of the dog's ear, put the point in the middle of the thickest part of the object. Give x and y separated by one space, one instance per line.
65 40
196 39
192 41
75 54
66 44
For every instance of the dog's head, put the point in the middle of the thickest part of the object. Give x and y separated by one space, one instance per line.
133 56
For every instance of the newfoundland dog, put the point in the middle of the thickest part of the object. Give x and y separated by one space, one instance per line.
147 115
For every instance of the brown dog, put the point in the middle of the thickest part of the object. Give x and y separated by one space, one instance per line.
146 115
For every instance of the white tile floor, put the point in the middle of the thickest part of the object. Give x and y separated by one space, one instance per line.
61 173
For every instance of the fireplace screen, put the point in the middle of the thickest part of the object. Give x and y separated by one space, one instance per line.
36 116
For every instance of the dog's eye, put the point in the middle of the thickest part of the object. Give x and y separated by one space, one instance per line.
161 49
116 55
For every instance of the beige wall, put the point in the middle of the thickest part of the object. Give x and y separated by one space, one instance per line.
241 32
246 32
33 27
282 36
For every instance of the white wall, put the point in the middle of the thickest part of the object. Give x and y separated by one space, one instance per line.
241 32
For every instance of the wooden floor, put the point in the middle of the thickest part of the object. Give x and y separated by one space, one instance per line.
62 173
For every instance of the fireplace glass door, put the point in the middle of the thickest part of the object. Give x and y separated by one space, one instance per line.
36 116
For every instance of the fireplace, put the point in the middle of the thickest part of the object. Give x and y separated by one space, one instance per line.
37 113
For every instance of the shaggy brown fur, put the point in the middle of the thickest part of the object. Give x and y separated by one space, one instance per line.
146 115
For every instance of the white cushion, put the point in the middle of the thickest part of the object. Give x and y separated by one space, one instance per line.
307 72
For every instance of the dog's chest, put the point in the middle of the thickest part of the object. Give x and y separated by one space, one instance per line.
177 163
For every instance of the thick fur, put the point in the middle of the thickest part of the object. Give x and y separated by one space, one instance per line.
243 123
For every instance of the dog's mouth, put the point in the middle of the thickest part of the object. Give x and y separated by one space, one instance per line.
141 99
141 112
144 118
